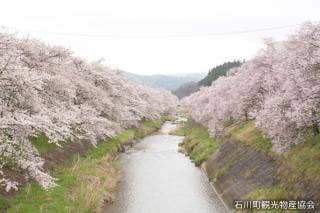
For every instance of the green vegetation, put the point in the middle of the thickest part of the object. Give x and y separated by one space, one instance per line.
186 89
84 183
222 170
146 128
190 87
110 144
8 161
301 161
197 142
272 193
150 126
70 177
218 71
247 133
41 142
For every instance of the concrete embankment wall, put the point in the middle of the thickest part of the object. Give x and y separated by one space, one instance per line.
236 169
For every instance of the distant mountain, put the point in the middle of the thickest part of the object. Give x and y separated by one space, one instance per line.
168 82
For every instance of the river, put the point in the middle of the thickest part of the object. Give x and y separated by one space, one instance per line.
159 179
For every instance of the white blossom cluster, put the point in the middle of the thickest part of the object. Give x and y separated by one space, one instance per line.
279 88
47 89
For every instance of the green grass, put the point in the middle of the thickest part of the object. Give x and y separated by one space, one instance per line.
83 182
8 161
272 193
305 158
301 161
41 142
147 128
34 199
247 133
110 144
221 171
197 142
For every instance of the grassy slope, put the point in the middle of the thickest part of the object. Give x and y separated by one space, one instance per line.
197 142
83 183
247 133
303 159
300 161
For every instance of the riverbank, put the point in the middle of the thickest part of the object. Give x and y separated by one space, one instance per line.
85 181
242 166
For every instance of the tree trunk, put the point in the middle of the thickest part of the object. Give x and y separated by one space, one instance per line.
315 125
315 128
246 115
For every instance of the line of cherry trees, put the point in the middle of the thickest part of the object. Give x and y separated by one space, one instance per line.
45 89
279 88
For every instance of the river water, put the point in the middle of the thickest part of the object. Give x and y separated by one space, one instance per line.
159 179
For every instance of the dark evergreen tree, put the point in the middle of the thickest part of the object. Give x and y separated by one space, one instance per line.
218 71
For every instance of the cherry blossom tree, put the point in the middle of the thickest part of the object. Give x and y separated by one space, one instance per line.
279 88
45 89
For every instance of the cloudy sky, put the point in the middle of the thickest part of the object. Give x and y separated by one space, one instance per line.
164 36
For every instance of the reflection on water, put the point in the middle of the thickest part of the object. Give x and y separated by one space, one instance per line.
156 178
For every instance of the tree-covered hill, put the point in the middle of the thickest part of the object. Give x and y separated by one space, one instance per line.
188 88
216 72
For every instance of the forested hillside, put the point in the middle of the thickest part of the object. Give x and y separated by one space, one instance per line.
186 89
190 87
216 72
47 92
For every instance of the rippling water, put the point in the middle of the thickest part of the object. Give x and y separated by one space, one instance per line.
157 178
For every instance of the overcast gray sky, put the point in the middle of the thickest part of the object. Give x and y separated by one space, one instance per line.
136 36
